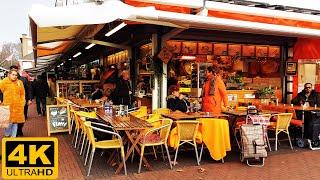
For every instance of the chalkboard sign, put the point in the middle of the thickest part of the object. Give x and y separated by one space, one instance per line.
58 119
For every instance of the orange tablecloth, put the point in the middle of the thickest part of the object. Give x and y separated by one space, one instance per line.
214 133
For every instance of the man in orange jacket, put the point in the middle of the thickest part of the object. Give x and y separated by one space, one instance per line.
213 92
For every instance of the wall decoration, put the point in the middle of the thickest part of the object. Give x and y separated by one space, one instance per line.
269 67
220 49
189 48
165 55
204 48
291 68
248 50
274 51
234 50
174 46
261 51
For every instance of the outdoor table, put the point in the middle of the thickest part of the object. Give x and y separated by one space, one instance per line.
84 103
214 133
195 115
240 113
129 126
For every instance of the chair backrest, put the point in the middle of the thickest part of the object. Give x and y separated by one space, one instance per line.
283 121
161 111
90 126
187 130
153 117
77 120
164 132
141 112
90 134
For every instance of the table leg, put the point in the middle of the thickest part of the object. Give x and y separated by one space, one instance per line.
112 157
134 145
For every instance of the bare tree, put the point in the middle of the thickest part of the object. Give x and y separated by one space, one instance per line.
11 52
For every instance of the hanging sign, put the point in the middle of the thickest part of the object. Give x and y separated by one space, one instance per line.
165 55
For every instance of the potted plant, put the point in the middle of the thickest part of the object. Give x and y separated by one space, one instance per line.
235 81
265 94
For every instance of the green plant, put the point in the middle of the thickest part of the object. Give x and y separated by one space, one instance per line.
266 92
236 79
156 65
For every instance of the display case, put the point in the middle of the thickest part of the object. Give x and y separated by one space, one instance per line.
72 87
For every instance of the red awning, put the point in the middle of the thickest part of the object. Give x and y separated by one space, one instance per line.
306 49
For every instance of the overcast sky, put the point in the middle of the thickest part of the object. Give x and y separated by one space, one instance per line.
14 18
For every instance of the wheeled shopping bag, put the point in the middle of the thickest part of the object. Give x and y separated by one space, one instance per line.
312 129
253 144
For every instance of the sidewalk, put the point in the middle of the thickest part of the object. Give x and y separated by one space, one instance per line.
284 164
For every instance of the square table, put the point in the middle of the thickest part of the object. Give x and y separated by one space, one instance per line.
128 126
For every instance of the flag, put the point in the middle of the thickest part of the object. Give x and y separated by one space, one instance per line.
9 58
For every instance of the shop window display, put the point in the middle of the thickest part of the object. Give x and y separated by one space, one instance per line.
242 66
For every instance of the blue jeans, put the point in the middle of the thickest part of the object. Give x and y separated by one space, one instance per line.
11 130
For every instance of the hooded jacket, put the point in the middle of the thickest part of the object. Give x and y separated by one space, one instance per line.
213 93
14 97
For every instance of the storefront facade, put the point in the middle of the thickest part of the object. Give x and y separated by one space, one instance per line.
256 49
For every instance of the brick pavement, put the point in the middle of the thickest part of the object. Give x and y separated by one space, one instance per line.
284 164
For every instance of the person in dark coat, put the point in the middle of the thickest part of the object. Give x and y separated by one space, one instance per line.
41 91
307 96
97 93
28 97
177 101
123 91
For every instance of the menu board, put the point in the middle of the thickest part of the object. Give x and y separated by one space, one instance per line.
58 119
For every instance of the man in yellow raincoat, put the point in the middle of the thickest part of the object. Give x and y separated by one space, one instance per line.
14 97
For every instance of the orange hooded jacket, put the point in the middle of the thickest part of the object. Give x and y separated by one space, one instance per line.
212 103
14 97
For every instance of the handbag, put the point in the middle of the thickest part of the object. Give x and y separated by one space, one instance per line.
4 116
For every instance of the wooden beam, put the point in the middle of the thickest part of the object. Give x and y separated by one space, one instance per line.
108 44
170 34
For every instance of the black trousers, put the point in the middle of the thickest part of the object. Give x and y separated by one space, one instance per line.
20 125
41 105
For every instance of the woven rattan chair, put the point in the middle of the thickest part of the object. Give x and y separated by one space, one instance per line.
282 125
162 133
187 131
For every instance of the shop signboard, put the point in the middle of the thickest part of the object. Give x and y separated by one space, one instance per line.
58 119
291 68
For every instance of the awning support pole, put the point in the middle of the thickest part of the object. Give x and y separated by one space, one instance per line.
164 78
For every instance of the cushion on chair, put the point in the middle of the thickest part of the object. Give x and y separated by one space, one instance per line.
151 138
296 122
273 119
272 125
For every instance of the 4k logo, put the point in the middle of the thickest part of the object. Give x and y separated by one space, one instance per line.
29 158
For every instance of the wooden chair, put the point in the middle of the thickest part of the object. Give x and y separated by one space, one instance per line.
187 131
161 133
105 144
